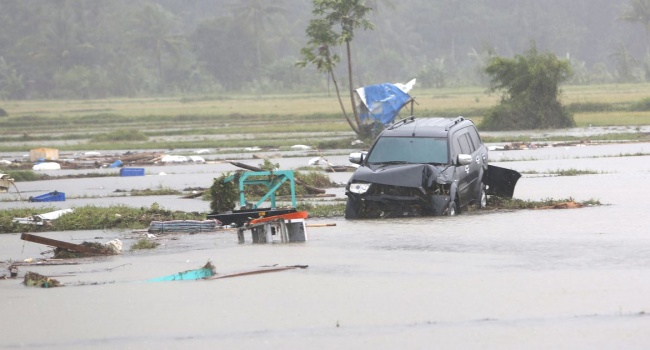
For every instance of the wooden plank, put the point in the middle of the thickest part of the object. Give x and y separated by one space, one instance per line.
65 245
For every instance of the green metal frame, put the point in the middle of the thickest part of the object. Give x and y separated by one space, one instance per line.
274 180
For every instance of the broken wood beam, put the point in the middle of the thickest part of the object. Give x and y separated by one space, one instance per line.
79 248
257 272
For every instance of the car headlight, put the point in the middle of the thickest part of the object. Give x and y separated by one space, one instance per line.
359 188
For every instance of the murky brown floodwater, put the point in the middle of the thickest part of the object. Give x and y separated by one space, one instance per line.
540 279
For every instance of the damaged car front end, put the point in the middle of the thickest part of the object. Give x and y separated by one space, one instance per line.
435 168
401 190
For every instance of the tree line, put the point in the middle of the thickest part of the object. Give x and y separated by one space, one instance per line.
120 48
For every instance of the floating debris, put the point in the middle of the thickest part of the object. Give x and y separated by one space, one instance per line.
54 196
42 219
65 250
6 181
184 226
564 205
33 279
206 271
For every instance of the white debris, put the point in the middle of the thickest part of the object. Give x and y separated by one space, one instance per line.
202 151
197 159
174 159
319 161
47 166
115 245
92 154
356 142
39 219
252 149
300 147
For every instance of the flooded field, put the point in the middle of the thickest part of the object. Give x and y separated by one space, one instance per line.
534 279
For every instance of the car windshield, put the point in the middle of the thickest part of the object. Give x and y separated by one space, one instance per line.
409 150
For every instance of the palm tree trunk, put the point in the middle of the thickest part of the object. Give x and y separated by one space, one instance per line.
338 94
359 127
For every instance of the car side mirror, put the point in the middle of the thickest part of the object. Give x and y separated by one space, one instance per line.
464 159
357 157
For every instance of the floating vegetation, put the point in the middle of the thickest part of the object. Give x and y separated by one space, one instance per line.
156 192
33 279
144 243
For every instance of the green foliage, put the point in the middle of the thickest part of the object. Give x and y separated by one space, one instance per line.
120 136
641 106
224 195
144 243
322 210
334 24
118 217
267 165
23 175
156 192
315 178
6 215
530 87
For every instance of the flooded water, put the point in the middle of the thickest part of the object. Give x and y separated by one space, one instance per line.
534 279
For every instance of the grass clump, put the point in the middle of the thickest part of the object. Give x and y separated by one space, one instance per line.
514 204
322 210
564 172
144 243
155 192
22 175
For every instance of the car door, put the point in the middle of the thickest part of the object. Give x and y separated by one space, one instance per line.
466 175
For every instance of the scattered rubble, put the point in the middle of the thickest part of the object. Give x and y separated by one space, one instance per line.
204 272
42 219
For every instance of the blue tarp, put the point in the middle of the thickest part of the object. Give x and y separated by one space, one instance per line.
381 102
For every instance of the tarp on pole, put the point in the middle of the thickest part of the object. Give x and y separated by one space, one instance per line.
382 102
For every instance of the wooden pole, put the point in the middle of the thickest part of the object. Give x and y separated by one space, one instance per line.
65 245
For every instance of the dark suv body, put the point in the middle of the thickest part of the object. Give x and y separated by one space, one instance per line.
428 166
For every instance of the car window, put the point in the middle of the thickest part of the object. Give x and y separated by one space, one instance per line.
476 139
410 150
465 144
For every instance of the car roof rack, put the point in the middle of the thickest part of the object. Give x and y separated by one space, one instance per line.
454 122
402 122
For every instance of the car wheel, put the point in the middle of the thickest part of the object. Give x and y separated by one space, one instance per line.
451 211
352 209
481 201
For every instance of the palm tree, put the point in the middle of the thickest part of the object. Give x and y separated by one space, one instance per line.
259 15
346 16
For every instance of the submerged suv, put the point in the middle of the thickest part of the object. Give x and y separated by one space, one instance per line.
427 166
